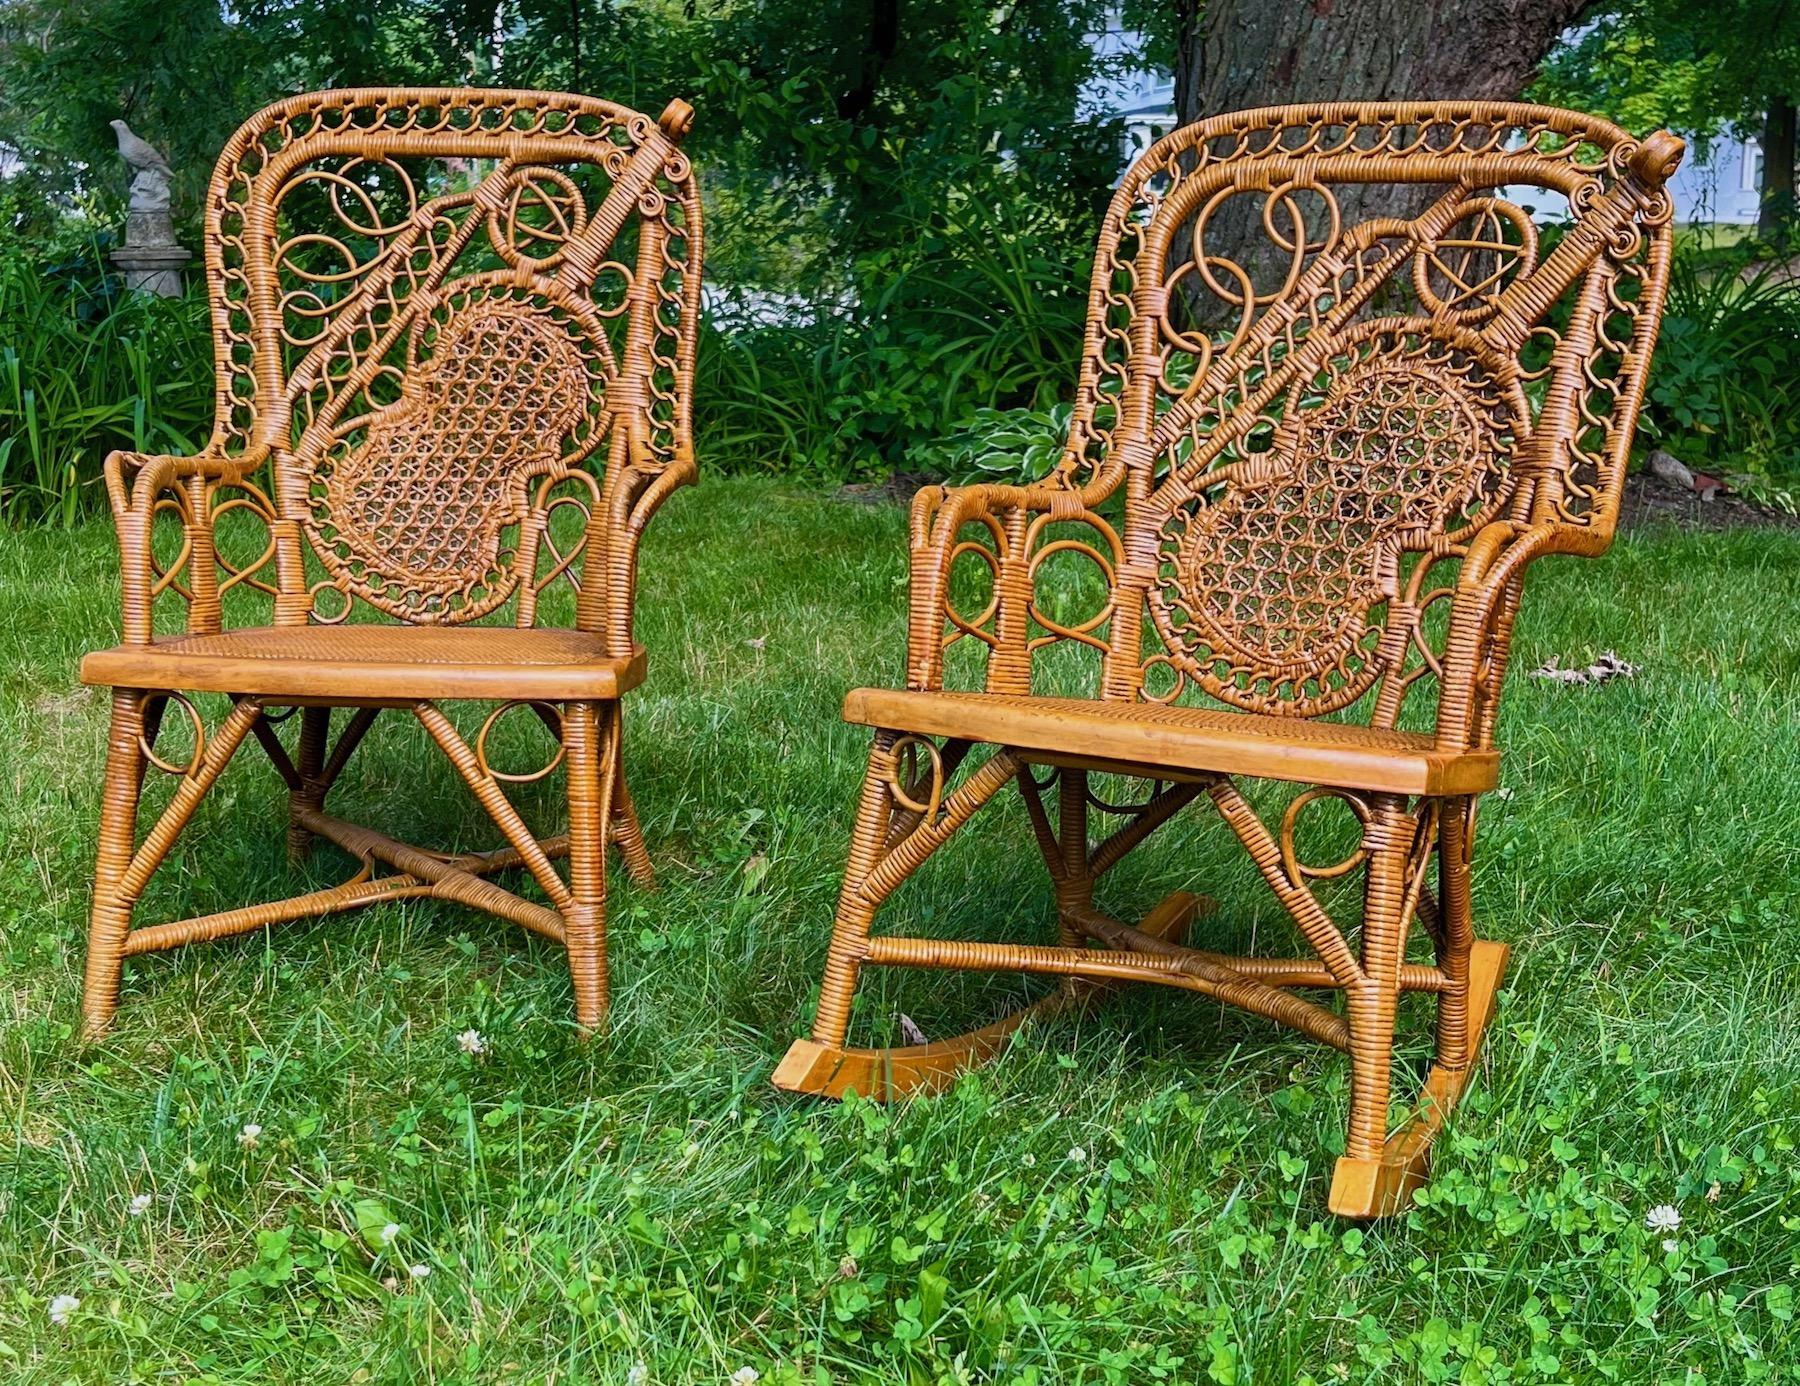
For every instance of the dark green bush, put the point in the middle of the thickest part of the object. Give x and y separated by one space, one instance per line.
950 353
86 368
1724 393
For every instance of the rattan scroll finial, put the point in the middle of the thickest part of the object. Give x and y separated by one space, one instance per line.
676 120
1658 157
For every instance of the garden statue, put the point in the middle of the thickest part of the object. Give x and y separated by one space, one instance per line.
150 258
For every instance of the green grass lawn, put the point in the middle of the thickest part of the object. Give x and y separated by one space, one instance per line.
1134 1194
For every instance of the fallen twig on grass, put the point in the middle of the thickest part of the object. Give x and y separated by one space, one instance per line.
1608 666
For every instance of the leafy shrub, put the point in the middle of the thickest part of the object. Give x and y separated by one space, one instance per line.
981 310
1007 446
85 369
1725 390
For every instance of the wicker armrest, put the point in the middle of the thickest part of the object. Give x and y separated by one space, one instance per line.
138 485
1487 600
136 478
939 521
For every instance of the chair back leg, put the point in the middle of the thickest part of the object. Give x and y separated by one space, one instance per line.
626 832
309 762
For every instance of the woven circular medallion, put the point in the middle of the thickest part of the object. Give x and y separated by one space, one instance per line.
415 511
1268 589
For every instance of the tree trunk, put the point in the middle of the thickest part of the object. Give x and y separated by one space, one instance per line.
1234 55
1775 212
1248 53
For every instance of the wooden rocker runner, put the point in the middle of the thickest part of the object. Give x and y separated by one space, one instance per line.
1336 395
454 333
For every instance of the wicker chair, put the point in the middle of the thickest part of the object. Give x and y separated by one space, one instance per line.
434 313
1313 453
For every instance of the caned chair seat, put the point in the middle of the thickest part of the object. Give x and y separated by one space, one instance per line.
376 661
1183 738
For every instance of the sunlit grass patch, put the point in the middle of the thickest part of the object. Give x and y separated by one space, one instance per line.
1134 1194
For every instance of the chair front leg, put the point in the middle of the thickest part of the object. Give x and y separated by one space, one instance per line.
590 740
855 910
123 867
1380 1169
111 917
904 817
1373 1001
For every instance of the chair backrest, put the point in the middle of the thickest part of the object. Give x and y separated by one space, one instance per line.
1313 393
439 310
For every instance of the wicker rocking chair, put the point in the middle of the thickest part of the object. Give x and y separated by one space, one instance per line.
1317 440
435 312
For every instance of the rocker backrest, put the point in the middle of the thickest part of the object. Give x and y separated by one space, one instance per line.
1326 346
439 309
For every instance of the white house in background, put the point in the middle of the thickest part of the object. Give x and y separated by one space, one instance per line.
1724 187
1143 97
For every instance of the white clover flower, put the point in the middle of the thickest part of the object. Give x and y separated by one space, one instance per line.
1663 1217
250 1135
1077 1156
388 1234
1670 1245
419 1272
472 1041
639 1375
745 1376
62 1309
1028 1160
140 1204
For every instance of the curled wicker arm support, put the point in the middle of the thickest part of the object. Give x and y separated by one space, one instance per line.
1480 636
938 536
615 528
137 487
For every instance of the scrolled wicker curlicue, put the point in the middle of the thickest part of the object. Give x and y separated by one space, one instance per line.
1312 456
454 333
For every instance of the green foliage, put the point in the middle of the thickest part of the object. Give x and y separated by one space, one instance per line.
926 191
1699 68
179 71
1725 391
1134 1195
1008 446
85 369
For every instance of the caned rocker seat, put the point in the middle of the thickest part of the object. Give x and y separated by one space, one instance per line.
1182 738
1336 395
367 662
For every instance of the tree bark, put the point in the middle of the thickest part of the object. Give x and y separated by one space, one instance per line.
879 47
1235 55
1245 53
1775 211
